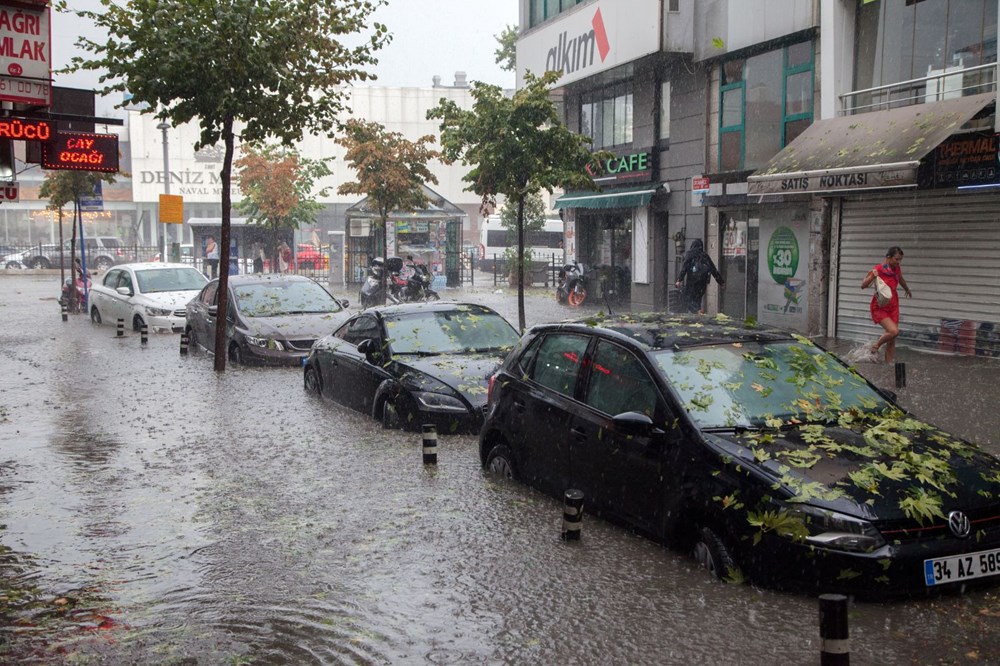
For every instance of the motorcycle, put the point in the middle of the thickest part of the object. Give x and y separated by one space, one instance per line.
572 286
417 286
371 291
81 292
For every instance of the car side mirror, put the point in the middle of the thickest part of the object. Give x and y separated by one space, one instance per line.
213 310
344 303
371 350
634 423
124 291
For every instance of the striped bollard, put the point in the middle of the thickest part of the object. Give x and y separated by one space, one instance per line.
184 343
65 316
144 334
121 328
572 515
900 375
430 436
836 647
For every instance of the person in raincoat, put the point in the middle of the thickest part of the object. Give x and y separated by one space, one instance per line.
887 316
695 272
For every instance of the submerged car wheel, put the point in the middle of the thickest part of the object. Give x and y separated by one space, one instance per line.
137 323
95 316
192 340
14 265
235 355
311 380
501 462
104 263
390 415
711 553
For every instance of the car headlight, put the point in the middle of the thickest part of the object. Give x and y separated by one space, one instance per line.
829 529
265 343
158 312
440 402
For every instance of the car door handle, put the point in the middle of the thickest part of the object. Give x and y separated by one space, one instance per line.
519 405
579 433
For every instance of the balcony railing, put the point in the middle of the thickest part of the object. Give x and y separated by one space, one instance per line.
948 84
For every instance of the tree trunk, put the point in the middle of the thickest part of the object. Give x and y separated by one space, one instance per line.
385 253
74 302
520 263
222 298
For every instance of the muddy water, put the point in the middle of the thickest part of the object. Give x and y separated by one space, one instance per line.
156 512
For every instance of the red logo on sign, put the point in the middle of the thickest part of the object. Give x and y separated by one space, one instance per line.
14 69
603 46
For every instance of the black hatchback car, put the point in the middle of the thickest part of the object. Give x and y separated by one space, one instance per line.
413 364
273 319
762 454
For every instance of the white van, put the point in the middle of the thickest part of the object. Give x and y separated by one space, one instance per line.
544 244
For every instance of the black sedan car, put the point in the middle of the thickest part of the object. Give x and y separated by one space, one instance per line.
272 319
413 364
762 454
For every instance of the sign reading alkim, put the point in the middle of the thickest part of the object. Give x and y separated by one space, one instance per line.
81 151
25 53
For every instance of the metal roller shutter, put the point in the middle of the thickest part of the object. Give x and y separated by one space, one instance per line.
951 243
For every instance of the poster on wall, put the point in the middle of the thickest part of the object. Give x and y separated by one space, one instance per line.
784 270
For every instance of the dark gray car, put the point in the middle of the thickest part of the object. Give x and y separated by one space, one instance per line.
272 319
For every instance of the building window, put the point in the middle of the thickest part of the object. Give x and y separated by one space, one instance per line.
665 112
674 6
542 10
898 42
766 102
606 116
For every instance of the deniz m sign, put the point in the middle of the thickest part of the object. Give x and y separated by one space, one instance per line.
591 38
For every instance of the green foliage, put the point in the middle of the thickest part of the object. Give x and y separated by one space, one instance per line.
534 220
506 51
65 187
515 146
781 522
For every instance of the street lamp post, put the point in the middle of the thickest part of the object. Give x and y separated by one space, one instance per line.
163 126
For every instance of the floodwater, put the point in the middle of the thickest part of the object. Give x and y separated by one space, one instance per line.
153 511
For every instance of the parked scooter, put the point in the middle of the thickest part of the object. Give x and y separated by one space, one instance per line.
417 285
81 292
371 290
572 286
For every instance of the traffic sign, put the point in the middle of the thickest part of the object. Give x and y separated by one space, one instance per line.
171 209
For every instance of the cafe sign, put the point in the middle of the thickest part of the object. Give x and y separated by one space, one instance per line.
636 167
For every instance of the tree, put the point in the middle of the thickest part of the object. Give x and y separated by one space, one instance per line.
277 185
277 67
61 188
391 171
516 146
506 51
534 220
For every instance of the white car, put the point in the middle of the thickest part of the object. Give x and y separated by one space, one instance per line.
152 293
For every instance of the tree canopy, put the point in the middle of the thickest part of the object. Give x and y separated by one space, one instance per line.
391 170
515 146
278 189
276 67
506 51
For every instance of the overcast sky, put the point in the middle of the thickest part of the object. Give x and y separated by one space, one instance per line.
429 37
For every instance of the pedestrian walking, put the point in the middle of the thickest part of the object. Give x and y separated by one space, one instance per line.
212 257
695 272
284 257
257 251
885 311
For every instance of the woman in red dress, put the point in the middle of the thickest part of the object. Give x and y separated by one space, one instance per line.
887 316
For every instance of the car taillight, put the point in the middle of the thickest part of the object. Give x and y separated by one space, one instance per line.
489 389
118 252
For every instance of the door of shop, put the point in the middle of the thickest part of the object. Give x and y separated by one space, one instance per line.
740 245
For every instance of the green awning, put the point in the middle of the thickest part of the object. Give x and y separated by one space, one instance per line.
632 197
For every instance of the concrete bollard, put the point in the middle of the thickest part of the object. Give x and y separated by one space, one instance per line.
572 515
65 314
121 328
836 647
900 375
430 437
144 334
184 344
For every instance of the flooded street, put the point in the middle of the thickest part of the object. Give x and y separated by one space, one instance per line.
153 511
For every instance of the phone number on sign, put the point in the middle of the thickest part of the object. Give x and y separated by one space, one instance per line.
22 90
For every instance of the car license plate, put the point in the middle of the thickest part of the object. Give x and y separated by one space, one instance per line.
941 570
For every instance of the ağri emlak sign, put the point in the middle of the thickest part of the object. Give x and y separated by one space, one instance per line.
25 53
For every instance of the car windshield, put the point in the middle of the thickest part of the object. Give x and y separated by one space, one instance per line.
462 330
169 279
277 298
753 384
